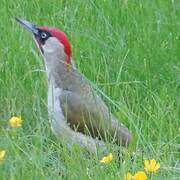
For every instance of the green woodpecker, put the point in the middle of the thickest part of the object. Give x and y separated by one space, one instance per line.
77 114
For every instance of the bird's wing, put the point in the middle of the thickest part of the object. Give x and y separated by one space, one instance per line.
92 116
62 129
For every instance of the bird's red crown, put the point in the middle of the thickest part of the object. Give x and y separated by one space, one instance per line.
61 36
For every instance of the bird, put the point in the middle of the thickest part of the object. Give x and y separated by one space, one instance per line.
77 114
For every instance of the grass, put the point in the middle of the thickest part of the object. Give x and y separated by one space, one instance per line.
129 50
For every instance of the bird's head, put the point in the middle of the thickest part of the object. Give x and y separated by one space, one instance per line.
49 40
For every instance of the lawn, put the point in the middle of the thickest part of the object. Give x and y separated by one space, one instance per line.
129 49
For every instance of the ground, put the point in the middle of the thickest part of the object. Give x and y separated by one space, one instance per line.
129 50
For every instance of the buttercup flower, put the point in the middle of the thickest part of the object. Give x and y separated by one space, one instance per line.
140 175
107 159
2 155
15 121
151 165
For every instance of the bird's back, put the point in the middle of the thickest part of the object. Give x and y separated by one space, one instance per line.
86 111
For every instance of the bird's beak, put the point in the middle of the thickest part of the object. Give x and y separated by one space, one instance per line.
31 27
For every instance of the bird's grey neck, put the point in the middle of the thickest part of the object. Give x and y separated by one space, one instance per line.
55 67
55 59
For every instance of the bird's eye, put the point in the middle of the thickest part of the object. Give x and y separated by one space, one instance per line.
43 35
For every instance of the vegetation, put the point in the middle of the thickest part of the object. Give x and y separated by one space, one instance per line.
130 51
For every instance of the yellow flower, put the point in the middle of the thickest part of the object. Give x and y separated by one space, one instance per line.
15 121
151 165
2 155
107 159
140 175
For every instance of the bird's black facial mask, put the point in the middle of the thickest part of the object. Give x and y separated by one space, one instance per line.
41 38
43 35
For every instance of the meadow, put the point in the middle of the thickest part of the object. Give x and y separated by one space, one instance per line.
128 49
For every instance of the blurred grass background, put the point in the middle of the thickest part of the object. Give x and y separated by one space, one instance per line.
130 49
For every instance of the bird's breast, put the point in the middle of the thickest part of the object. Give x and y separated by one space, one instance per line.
55 112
